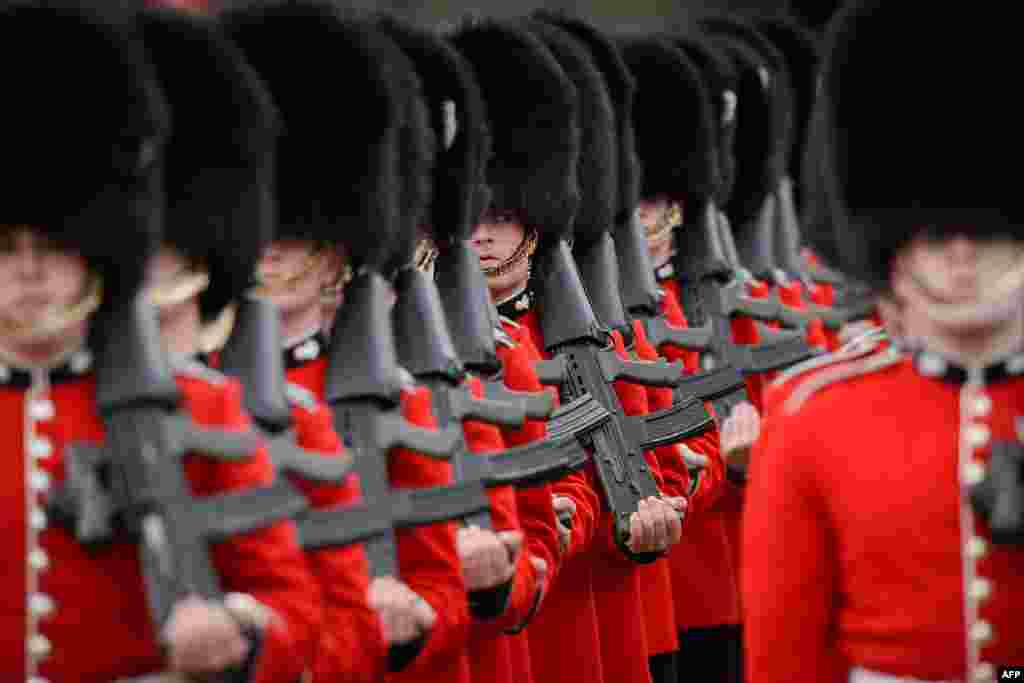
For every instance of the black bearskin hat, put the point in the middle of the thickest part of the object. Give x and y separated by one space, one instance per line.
219 157
621 89
459 122
673 122
415 149
337 156
595 115
721 80
756 145
799 48
930 159
815 14
83 132
531 105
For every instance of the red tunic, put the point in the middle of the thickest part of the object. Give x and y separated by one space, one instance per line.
427 558
567 622
87 610
882 563
352 646
489 649
704 584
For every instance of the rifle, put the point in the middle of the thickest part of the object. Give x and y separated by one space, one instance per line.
584 363
999 496
147 494
432 359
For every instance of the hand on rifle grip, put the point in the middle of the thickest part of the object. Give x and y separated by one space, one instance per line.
739 432
404 615
654 527
488 558
203 637
565 510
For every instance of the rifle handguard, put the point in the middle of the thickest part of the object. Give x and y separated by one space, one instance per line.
648 373
551 372
537 405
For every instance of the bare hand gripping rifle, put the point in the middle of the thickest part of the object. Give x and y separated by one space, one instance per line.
135 483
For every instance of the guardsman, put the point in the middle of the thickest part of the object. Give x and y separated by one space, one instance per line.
897 557
220 215
76 242
325 236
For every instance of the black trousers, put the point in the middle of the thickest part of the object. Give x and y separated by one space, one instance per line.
710 655
663 668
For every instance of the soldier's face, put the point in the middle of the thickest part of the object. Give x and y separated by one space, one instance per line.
37 276
652 213
956 270
295 272
495 238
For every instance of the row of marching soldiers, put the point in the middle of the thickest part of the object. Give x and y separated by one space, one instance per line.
335 349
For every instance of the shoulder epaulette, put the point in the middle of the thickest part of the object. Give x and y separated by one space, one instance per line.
300 397
854 349
842 371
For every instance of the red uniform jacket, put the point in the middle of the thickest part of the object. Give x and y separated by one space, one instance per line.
866 551
704 578
352 646
490 653
567 622
427 558
536 513
76 615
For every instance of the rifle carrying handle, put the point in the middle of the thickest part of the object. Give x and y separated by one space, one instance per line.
647 373
551 372
501 413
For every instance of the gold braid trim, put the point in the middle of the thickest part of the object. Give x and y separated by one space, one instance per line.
55 320
661 230
524 251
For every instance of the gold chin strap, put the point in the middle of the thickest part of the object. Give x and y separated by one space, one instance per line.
281 283
54 321
662 229
999 304
425 255
179 289
524 251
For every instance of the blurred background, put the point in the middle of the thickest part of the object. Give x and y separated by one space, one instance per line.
620 15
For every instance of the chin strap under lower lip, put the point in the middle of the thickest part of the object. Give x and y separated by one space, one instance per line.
55 321
1002 302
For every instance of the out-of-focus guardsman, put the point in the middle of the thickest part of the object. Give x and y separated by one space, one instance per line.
899 558
76 244
336 231
219 220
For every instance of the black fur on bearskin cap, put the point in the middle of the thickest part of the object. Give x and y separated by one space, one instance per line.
931 157
336 171
596 166
778 89
83 131
219 157
673 122
721 79
799 48
416 147
531 105
815 14
755 145
622 90
459 123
